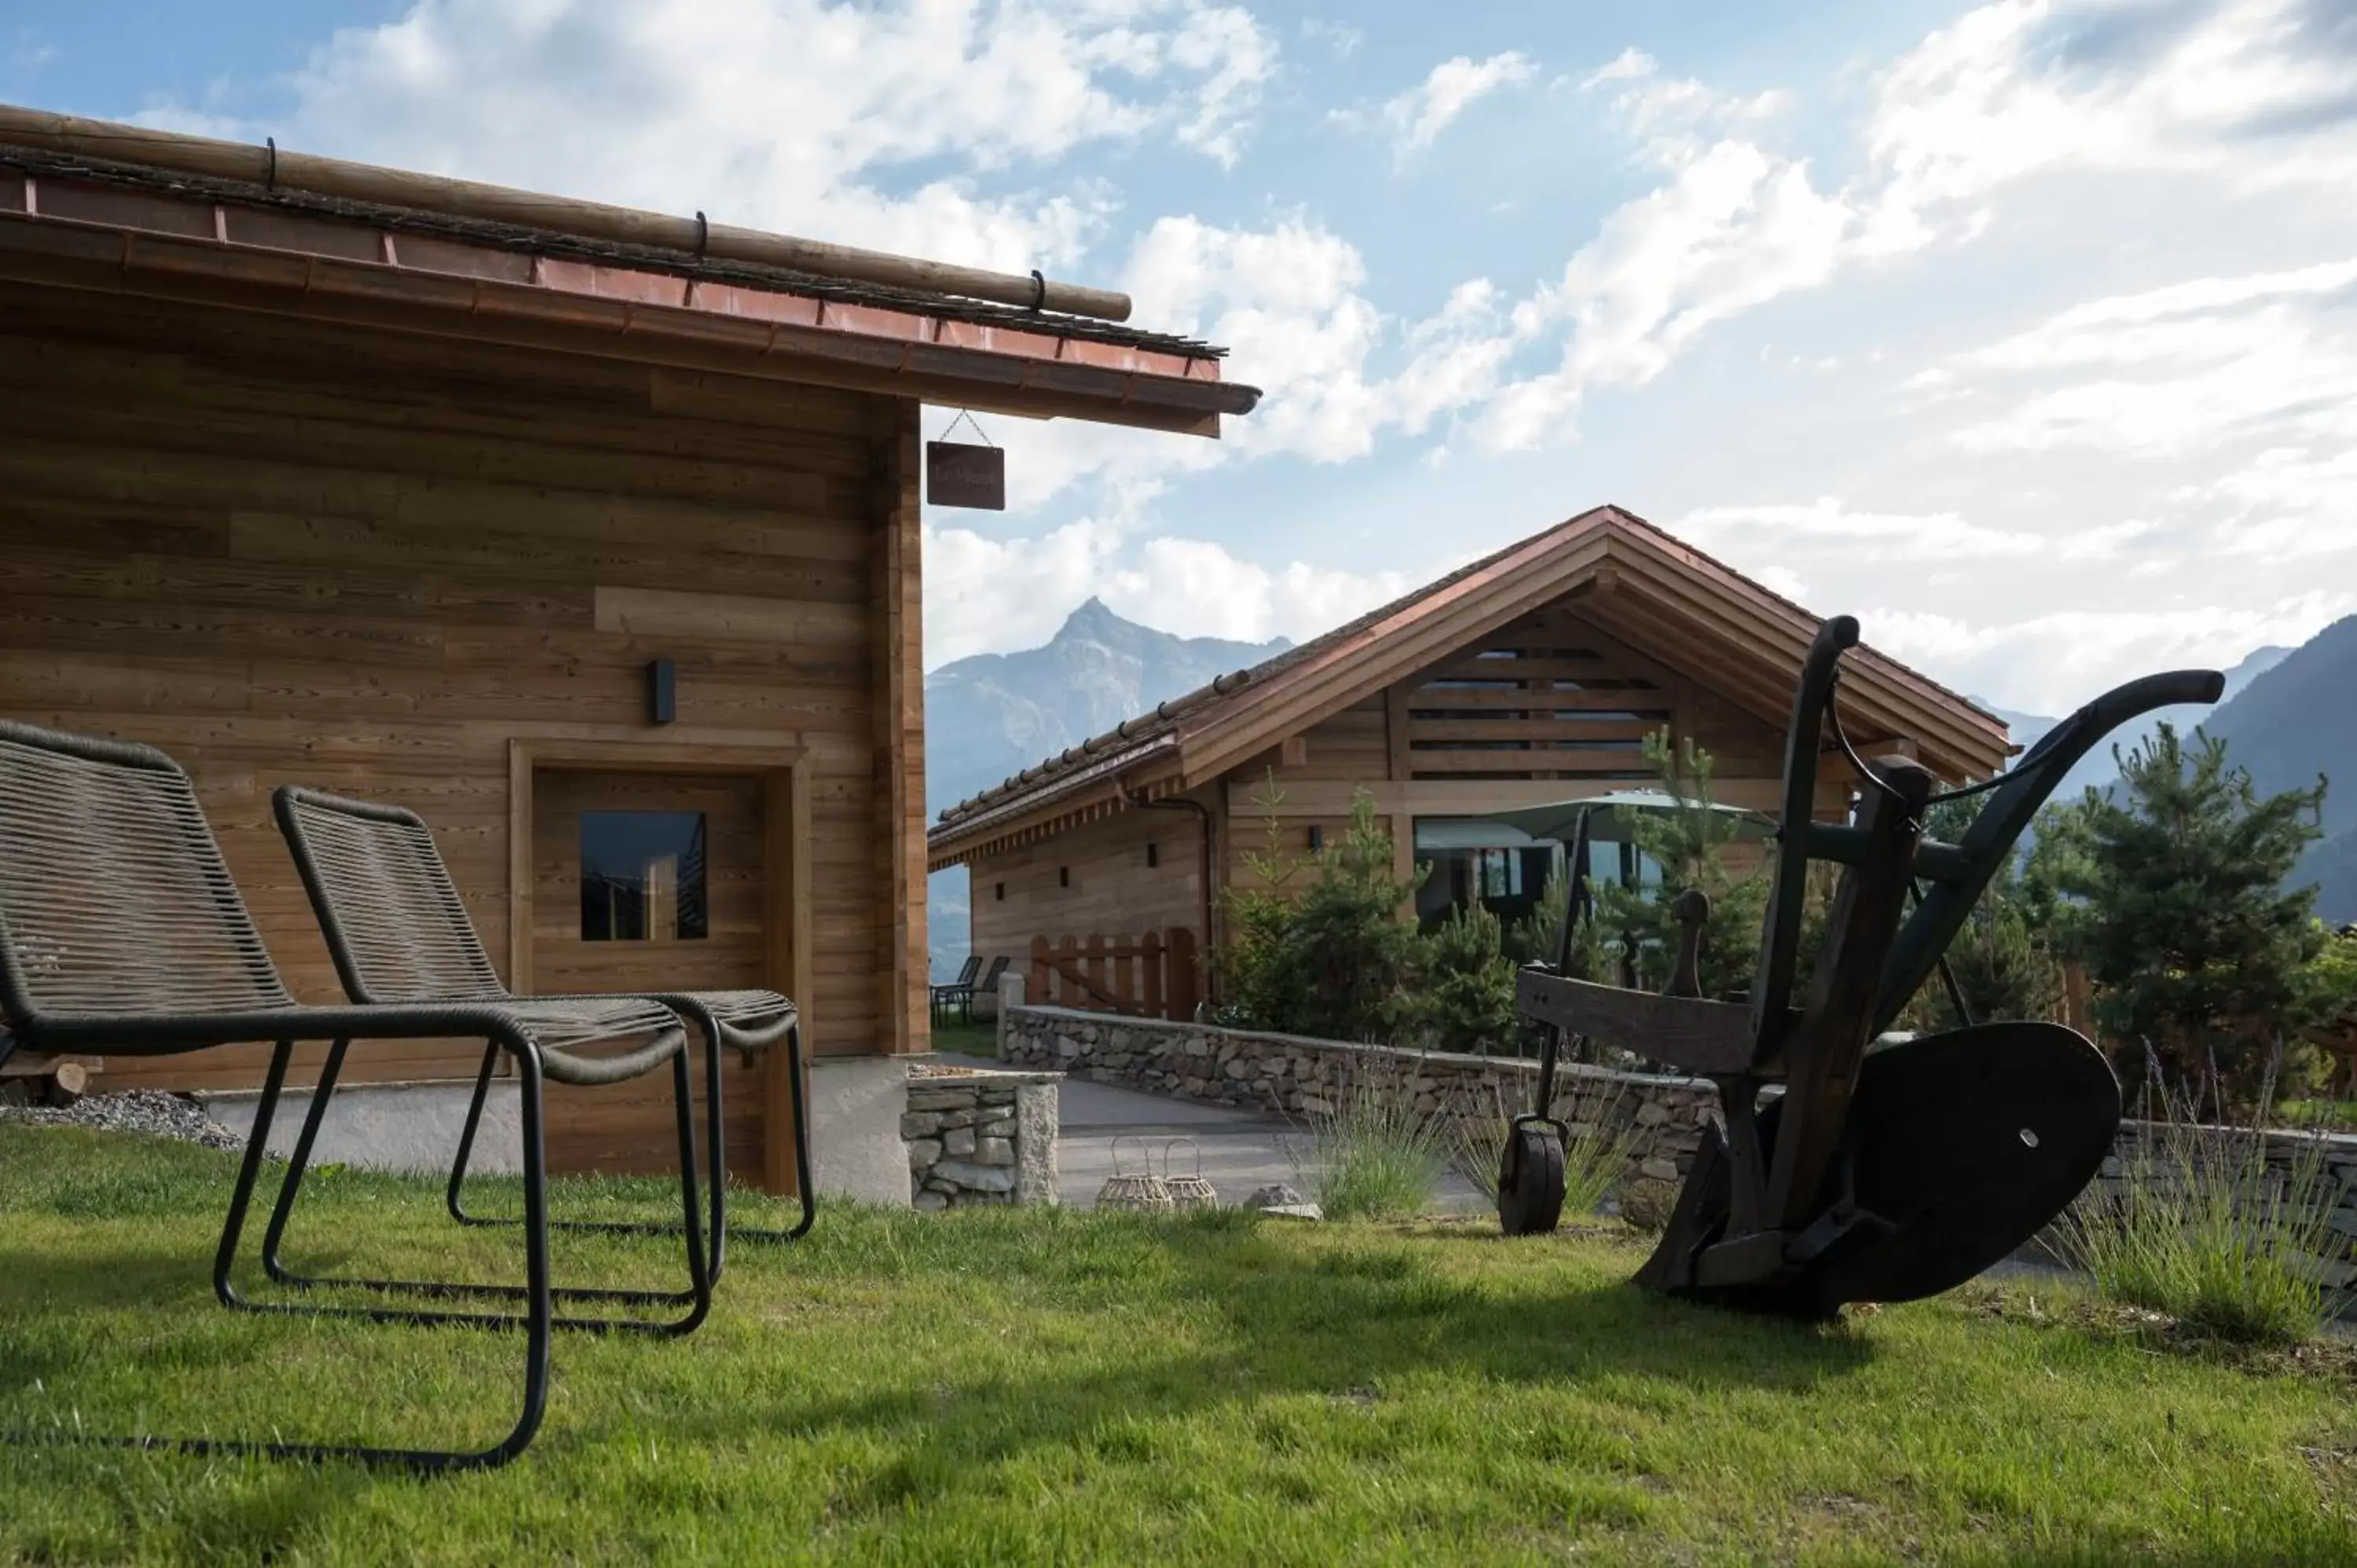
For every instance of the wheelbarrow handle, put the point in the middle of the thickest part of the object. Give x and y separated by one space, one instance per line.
1780 940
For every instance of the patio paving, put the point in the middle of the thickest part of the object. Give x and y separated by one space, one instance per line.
1242 1150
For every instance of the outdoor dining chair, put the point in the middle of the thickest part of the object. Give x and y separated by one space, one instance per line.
122 933
399 933
958 997
986 986
959 992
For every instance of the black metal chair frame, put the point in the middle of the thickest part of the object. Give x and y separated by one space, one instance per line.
958 993
215 901
716 1030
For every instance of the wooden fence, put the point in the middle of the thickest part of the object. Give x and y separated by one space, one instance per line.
1152 976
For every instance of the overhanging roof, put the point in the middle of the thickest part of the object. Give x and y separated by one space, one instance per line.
541 270
1635 581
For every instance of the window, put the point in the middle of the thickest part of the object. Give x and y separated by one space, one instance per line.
642 876
999 892
1153 855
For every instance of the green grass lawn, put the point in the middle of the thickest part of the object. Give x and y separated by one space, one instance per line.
975 1039
1025 1386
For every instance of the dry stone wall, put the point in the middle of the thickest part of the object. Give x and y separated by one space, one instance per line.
1661 1117
976 1138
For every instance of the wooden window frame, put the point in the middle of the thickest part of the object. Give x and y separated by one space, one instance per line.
784 773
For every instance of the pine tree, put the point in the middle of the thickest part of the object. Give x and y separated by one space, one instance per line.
1351 954
1333 960
1690 844
1466 999
2172 895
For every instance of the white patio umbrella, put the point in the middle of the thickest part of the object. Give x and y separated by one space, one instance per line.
1610 816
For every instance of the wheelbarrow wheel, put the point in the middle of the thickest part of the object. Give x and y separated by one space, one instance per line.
1530 1180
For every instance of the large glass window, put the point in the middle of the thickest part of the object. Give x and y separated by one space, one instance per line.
642 876
1506 869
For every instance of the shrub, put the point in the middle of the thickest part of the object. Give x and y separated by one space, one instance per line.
1466 999
2205 1229
1255 981
1353 953
1333 960
1373 1154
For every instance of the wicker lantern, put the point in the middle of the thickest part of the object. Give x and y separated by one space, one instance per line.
1141 1190
1193 1191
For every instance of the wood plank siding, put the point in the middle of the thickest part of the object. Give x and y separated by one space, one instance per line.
290 550
1093 879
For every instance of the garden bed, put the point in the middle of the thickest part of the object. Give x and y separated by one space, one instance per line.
1015 1385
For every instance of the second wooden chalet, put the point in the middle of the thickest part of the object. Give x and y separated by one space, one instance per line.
1527 678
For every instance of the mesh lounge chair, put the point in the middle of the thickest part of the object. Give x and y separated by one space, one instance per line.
400 933
121 932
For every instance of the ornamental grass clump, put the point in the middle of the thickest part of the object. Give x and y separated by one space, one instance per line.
2205 1227
1595 1155
1373 1154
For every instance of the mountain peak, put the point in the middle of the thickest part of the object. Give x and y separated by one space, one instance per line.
1093 615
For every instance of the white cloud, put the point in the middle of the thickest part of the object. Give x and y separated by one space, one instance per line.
1417 116
1196 588
985 595
1341 37
2197 363
788 114
1829 530
1734 228
2049 663
1667 117
2287 504
2254 92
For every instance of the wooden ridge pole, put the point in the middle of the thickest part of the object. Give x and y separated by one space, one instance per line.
72 135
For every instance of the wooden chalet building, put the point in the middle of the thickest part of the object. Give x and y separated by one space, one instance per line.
1527 678
580 530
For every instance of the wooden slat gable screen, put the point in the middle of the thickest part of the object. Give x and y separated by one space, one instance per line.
1546 697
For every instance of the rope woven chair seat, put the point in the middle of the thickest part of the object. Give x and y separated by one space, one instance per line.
562 1024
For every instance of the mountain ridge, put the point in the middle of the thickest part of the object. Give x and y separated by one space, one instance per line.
990 715
2289 715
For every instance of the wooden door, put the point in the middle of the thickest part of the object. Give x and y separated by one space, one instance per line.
648 882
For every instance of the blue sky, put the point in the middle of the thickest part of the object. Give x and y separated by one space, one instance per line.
2026 330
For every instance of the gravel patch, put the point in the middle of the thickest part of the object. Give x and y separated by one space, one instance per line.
148 1111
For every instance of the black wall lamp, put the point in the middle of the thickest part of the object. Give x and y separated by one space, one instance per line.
662 690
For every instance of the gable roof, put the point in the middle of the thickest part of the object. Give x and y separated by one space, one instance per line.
1637 582
89 204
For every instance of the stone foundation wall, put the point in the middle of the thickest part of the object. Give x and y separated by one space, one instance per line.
1662 1117
979 1137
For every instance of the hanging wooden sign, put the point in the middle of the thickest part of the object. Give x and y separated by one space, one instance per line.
957 474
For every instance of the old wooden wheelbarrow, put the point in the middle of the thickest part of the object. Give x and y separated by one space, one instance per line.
1879 1174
